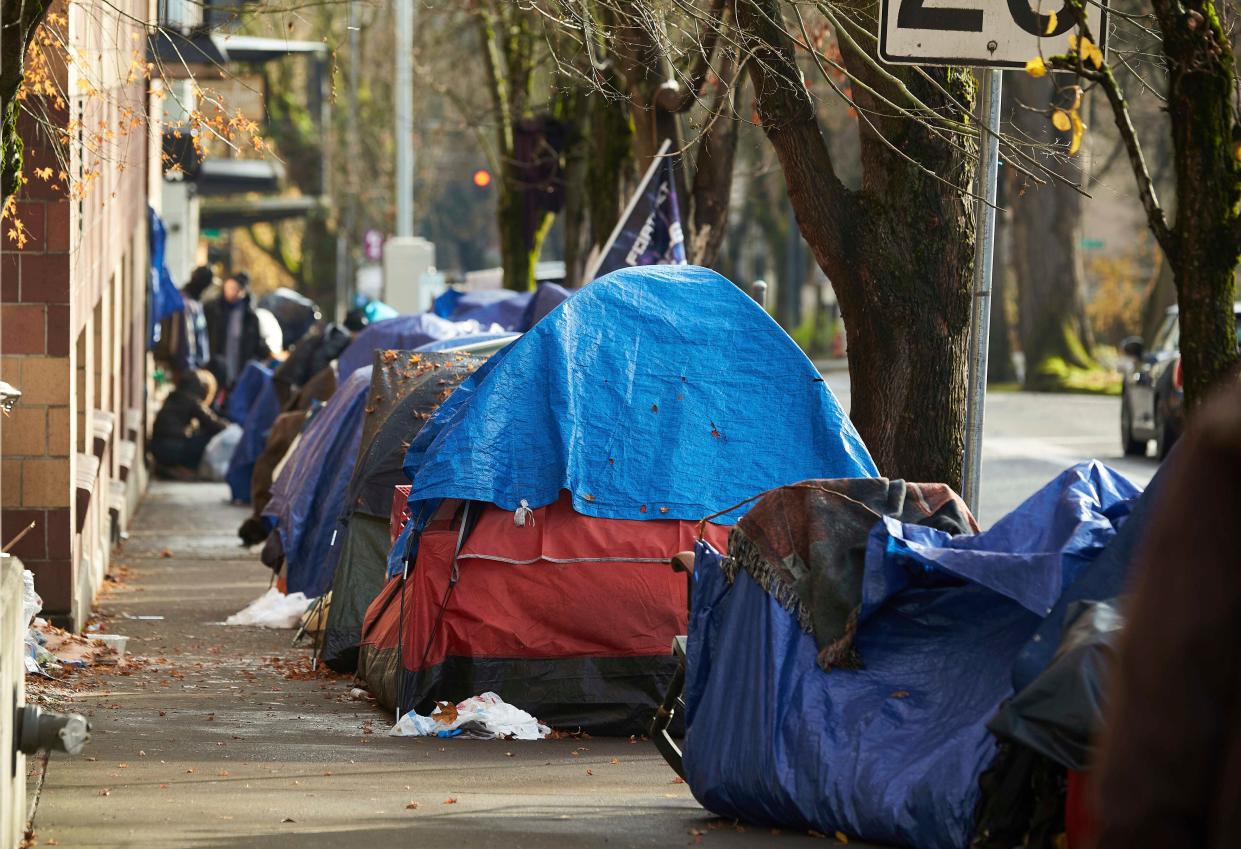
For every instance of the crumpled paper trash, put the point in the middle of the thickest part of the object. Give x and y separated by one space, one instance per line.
482 717
273 609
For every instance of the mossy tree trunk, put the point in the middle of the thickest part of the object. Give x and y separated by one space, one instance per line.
899 250
1207 233
509 44
1202 243
1046 252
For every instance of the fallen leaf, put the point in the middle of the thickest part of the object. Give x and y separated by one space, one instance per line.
412 806
590 772
840 837
451 800
105 792
288 819
676 779
166 553
615 761
654 408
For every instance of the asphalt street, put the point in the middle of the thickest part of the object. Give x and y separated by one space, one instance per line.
1029 438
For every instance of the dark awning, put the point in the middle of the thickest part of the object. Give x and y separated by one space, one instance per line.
238 176
173 50
223 215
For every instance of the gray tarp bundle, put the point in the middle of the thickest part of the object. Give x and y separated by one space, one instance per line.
406 387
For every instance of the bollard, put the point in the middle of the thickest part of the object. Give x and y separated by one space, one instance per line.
759 293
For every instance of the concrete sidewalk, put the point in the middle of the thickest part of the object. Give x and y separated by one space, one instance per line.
210 744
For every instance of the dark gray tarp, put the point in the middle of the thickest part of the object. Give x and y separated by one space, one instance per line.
406 387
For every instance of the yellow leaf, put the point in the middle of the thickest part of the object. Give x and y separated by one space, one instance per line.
1060 120
1096 56
1036 68
1079 130
1051 24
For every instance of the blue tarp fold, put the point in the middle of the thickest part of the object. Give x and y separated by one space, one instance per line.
890 753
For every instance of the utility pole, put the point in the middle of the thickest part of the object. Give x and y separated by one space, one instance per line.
404 118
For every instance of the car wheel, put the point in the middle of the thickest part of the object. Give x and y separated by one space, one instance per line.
1132 447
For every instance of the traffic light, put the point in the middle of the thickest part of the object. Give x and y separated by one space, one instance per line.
482 178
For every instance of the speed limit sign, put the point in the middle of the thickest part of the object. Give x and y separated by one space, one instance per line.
990 33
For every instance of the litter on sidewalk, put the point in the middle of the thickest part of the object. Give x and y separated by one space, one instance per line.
484 717
273 609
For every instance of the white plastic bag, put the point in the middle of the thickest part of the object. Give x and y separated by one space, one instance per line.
273 609
493 716
32 604
218 454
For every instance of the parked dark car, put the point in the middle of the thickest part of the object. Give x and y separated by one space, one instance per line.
1152 403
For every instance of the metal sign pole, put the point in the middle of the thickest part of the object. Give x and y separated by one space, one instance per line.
980 315
404 113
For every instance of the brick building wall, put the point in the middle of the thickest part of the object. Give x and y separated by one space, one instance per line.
72 316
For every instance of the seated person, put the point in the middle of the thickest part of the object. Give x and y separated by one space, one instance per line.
185 424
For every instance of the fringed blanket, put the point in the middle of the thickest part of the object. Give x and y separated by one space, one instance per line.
806 545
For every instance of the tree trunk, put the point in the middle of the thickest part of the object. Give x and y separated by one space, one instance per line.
1201 79
899 251
1046 231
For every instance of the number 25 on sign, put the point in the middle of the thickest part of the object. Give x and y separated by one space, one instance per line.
986 33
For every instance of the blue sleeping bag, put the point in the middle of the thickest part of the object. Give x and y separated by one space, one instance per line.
890 753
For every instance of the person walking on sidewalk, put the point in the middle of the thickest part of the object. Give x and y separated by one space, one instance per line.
233 332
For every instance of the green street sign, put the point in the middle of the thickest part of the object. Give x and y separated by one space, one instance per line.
1092 244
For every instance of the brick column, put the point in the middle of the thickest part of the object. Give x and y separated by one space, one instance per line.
35 331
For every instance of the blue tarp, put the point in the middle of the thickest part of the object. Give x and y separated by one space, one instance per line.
890 753
504 307
546 298
259 419
165 297
309 494
661 392
403 333
246 390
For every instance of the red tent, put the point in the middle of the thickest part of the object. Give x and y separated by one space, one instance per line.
569 617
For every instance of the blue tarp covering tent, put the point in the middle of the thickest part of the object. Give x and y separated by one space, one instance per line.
660 392
259 419
504 307
546 298
403 333
308 495
246 390
890 753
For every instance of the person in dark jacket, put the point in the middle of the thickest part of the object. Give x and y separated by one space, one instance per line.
185 424
233 331
314 353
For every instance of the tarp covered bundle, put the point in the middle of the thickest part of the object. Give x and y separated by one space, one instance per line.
654 397
404 333
513 311
405 389
890 752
